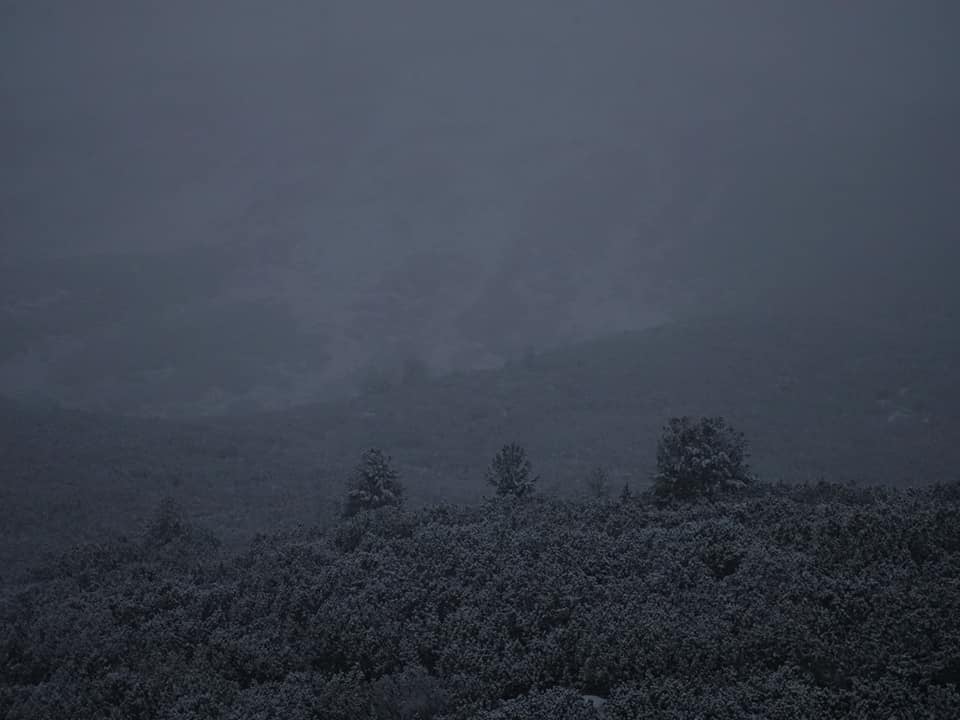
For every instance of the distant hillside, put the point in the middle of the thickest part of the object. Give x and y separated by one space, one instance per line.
815 398
265 316
151 334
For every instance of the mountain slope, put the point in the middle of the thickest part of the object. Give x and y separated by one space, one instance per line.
815 398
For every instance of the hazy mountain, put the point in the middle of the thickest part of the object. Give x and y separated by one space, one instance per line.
216 206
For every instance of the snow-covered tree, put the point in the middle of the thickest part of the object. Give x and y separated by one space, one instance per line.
374 483
510 472
697 457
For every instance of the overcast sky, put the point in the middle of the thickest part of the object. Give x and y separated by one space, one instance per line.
132 123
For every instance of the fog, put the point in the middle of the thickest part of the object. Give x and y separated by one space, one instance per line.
268 200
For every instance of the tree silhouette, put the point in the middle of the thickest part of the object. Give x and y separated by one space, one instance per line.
510 472
374 483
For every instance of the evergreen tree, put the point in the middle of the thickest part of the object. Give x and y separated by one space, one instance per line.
374 483
510 472
700 457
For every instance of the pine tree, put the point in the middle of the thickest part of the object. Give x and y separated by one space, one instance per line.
374 483
510 472
700 457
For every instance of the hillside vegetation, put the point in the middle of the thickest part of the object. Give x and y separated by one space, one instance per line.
816 398
774 602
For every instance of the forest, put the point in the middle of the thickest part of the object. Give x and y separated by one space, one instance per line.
727 597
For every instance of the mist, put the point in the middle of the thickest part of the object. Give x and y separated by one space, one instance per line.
574 359
270 200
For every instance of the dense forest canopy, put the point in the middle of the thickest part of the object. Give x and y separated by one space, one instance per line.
775 602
